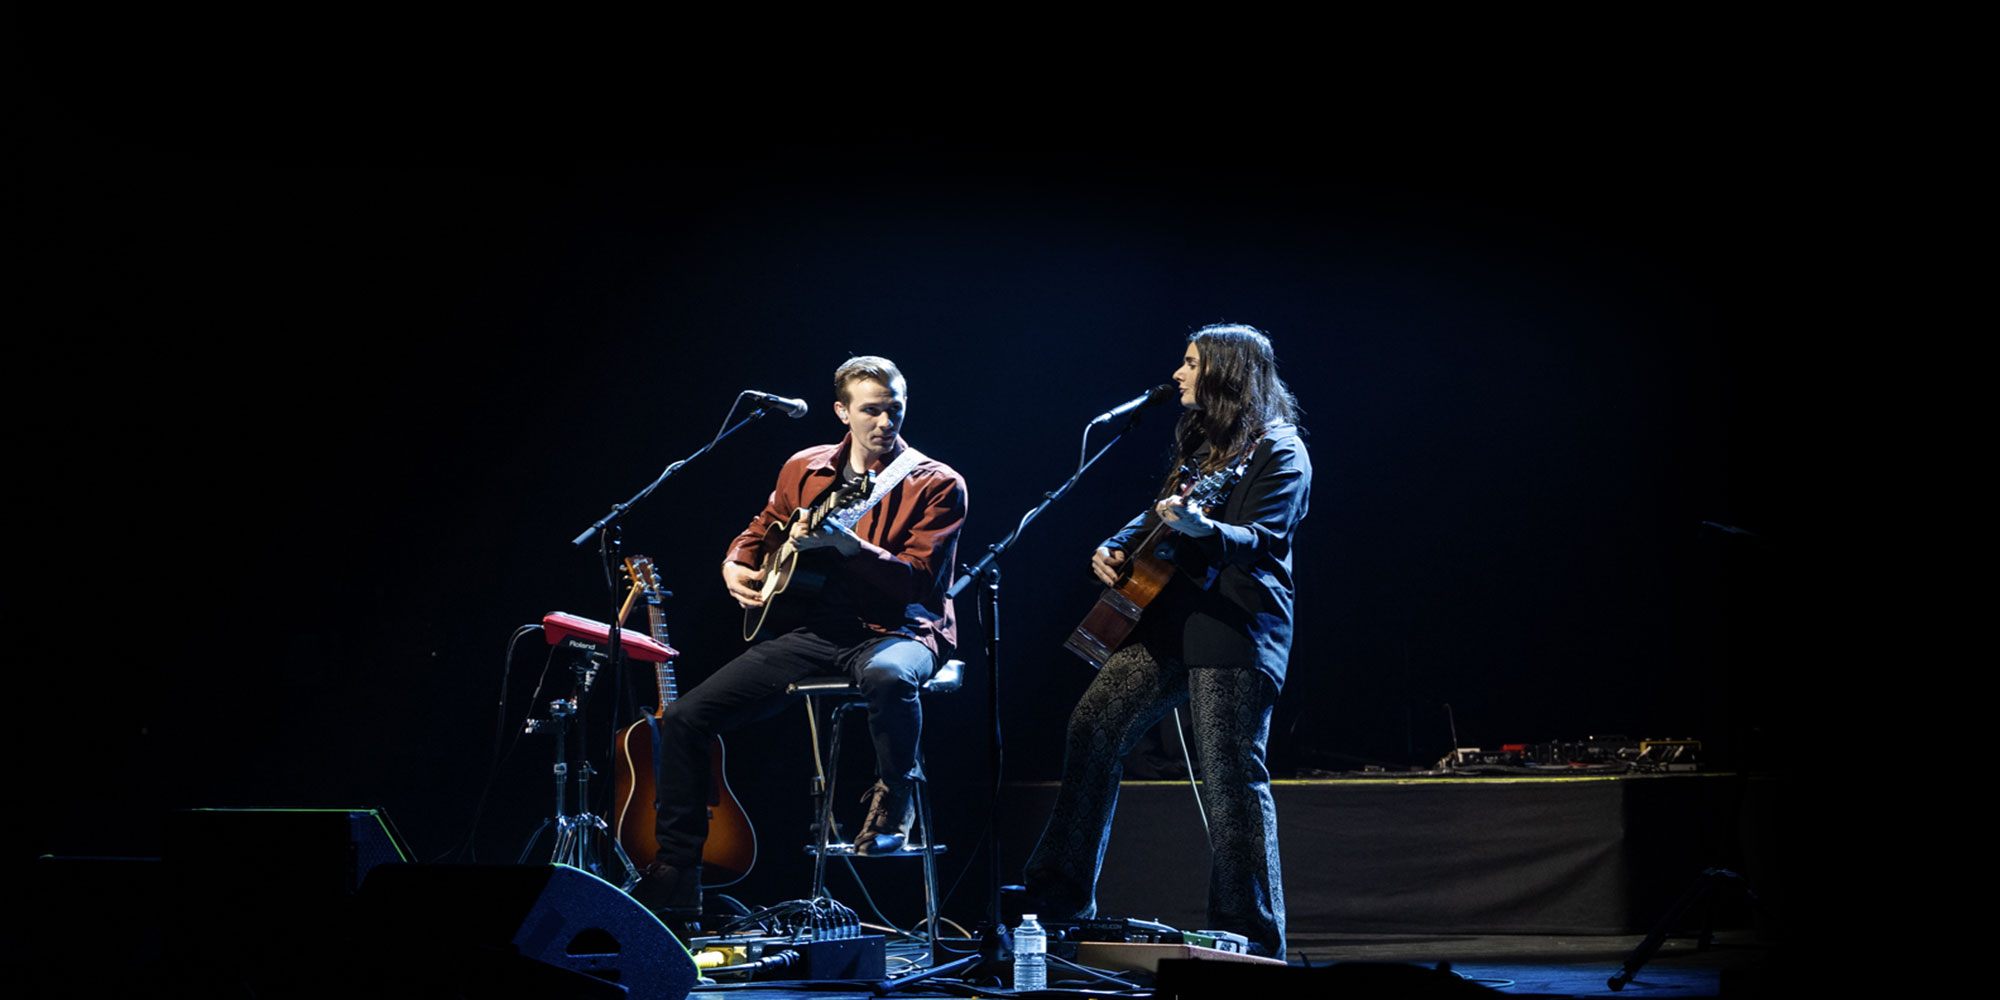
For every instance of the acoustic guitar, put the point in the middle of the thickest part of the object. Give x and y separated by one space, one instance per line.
1145 573
731 850
782 571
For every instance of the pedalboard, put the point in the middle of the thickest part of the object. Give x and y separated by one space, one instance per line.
781 957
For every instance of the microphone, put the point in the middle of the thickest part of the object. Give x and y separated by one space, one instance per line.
793 408
1154 396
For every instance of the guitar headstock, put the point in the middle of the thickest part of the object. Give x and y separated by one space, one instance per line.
856 491
1207 490
639 569
844 496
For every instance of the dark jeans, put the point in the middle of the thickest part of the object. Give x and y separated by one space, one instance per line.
1232 721
752 687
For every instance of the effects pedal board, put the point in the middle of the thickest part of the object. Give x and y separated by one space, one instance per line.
863 957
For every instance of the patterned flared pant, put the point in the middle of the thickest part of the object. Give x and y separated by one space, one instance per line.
1232 722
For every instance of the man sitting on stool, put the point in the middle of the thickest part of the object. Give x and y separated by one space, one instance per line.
881 617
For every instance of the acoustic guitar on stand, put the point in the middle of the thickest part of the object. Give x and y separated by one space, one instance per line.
731 849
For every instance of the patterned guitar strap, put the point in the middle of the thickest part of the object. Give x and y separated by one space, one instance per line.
885 481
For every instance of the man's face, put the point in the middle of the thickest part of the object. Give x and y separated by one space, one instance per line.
873 413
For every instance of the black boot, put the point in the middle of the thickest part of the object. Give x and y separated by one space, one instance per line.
892 808
673 894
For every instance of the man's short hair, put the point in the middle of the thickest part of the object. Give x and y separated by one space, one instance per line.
863 368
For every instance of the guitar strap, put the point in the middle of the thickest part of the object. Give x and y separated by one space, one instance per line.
885 481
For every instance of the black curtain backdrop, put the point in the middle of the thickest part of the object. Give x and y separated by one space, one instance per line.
317 374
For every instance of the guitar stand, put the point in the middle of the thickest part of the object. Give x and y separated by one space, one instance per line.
577 835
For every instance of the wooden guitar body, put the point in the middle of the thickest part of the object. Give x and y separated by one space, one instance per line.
1117 611
780 570
731 849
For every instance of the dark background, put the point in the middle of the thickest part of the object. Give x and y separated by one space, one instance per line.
318 368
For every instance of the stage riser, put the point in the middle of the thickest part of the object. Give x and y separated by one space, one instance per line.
1469 856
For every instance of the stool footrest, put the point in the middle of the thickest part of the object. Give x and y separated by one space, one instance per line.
848 851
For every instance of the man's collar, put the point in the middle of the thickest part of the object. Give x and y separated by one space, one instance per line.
836 459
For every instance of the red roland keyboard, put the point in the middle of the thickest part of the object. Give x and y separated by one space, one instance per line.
559 625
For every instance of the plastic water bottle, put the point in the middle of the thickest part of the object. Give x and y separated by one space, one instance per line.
1031 949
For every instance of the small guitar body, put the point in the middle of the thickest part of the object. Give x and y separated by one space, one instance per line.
731 849
781 572
1117 611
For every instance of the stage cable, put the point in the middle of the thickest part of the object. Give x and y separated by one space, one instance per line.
467 849
1188 761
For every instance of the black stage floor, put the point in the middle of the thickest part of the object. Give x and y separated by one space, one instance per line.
1529 965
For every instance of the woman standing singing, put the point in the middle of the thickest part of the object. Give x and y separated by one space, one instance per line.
1216 638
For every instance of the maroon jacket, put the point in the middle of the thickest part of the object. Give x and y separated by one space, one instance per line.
909 541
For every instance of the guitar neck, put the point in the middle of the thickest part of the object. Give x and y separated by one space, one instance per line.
1152 540
824 509
669 688
838 496
1159 533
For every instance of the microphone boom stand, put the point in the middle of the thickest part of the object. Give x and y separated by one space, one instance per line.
992 934
573 840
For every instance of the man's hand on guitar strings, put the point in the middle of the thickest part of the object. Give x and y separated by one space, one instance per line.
744 584
829 536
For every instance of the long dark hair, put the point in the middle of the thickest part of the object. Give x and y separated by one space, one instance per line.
1238 395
